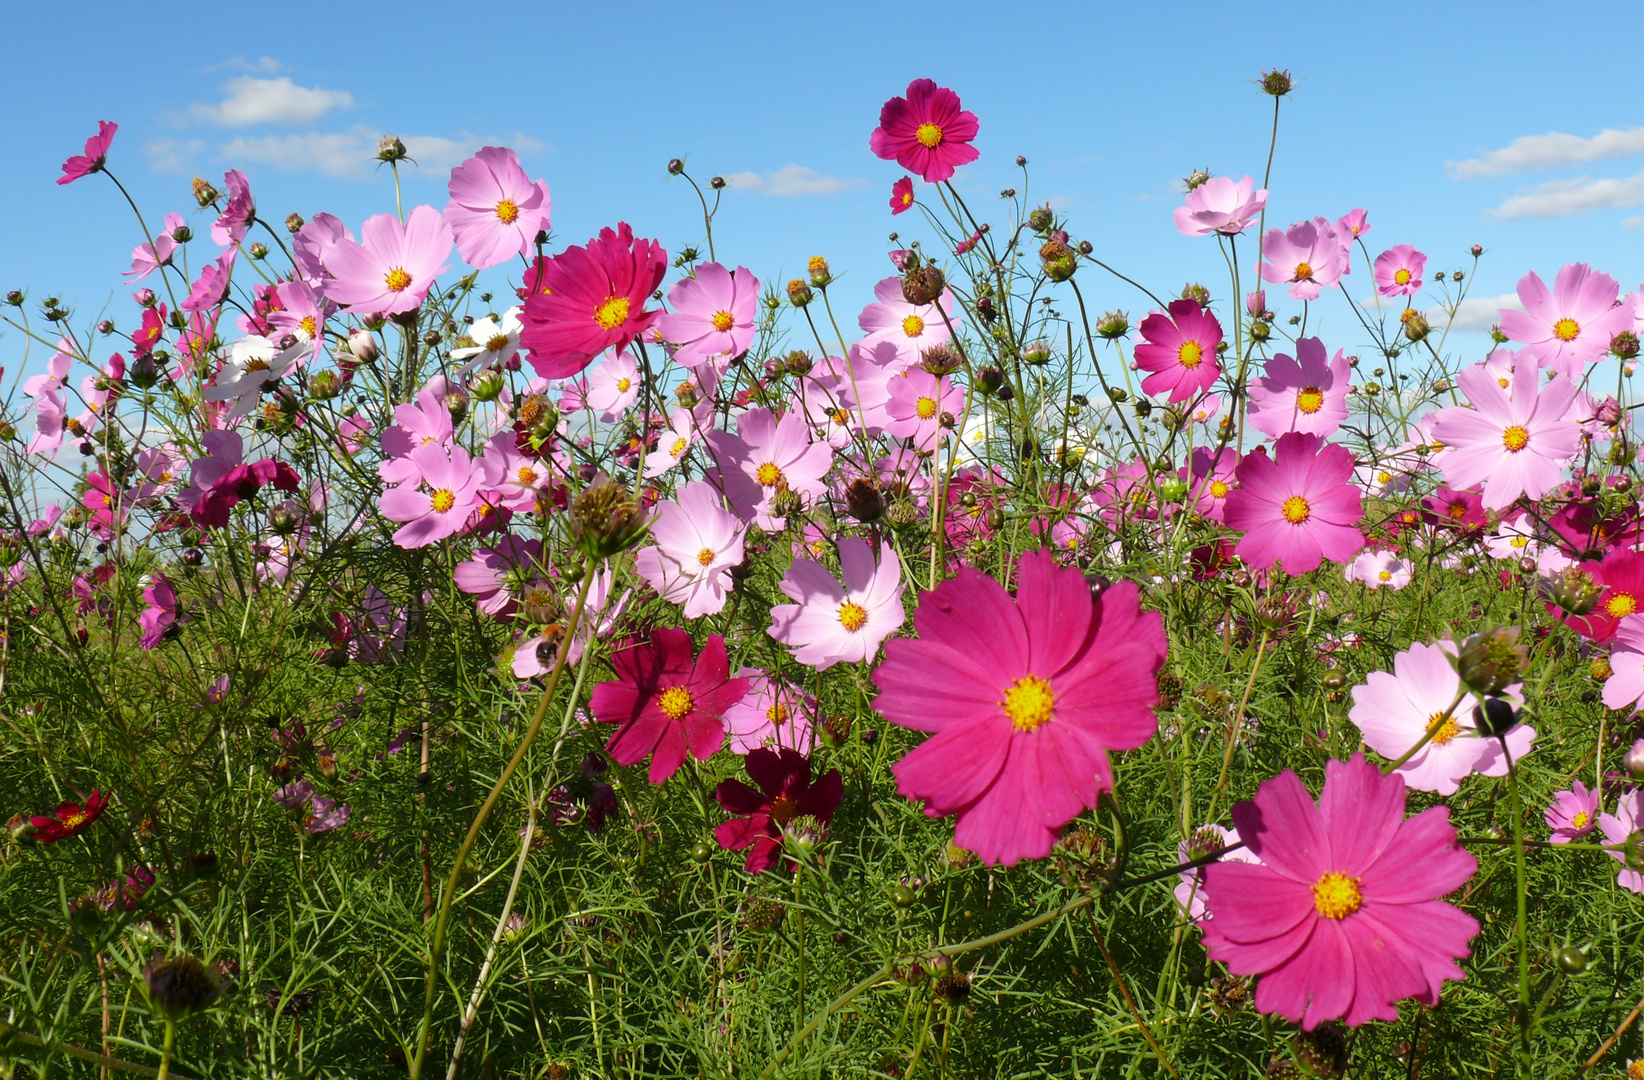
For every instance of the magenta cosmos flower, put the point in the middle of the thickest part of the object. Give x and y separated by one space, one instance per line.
1352 225
1220 205
495 210
828 623
926 132
1025 697
667 703
1297 508
1308 256
95 157
1570 326
591 299
1342 917
785 792
922 407
392 268
1179 350
901 195
1573 813
1398 271
1307 393
713 315
438 504
1514 440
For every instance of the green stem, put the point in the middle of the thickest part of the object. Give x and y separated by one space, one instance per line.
165 1051
1520 936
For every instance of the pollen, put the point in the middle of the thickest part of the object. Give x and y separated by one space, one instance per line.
442 501
497 343
507 211
1218 489
1190 355
913 326
1303 271
623 384
1310 400
1028 703
1336 896
675 702
852 616
256 363
526 475
308 325
397 280
612 314
768 475
1515 438
1384 477
1401 276
929 136
1446 731
1385 575
1296 510
705 556
677 449
1566 329
1579 819
926 408
723 321
777 713
839 416
783 809
73 819
1620 605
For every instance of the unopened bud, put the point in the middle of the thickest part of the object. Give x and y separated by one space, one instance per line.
939 360
1197 293
675 166
1260 331
181 987
1113 324
798 363
1633 761
1570 960
257 251
1477 250
390 149
1416 326
486 387
1574 590
293 223
1491 661
1040 219
1632 850
362 345
989 380
1035 353
799 293
204 193
863 500
1276 83
1624 346
1494 717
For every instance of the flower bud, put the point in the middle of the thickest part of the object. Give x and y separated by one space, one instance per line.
1197 293
486 387
204 193
1117 394
803 835
864 501
1570 960
1021 161
605 520
456 403
799 293
989 380
939 360
324 385
1276 83
1477 250
1196 178
1497 336
1416 326
1494 717
685 393
1574 590
294 223
1490 661
1041 219
1633 761
1113 324
1172 489
362 345
390 149
1624 346
15 297
986 309
181 987
1632 850
820 275
675 166
761 913
257 251
144 373
145 297
1059 261
922 284
105 327
1035 353
717 183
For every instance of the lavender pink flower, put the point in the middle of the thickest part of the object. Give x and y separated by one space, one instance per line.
1297 508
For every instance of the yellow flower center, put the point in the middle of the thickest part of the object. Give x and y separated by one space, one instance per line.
723 321
1336 896
839 416
929 136
768 475
1458 511
308 325
1310 400
1218 489
612 314
1303 271
1296 510
1579 819
705 556
852 616
777 714
675 702
1620 605
1446 731
677 449
913 326
926 408
783 809
526 474
1384 477
256 363
623 384
1028 703
1385 575
1515 438
497 343
1566 329
507 211
1401 277
442 501
1190 354
73 819
398 280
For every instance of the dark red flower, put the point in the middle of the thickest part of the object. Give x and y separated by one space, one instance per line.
785 793
668 703
70 819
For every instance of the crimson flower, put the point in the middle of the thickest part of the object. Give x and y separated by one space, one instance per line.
785 793
69 819
926 131
589 299
667 703
94 158
901 196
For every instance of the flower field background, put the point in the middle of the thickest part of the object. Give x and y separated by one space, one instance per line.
434 646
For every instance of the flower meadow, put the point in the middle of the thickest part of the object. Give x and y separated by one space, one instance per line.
434 646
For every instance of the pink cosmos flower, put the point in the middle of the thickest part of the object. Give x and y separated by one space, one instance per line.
590 299
1220 205
1573 813
1398 271
774 714
918 404
392 268
911 328
901 195
1308 256
211 287
238 212
1342 918
1179 350
713 314
1025 697
1514 441
785 792
698 542
147 258
312 246
439 505
495 576
1628 818
1625 686
160 610
1378 569
1297 508
302 313
1393 711
109 504
828 624
1570 326
1211 478
925 132
764 456
1306 394
668 705
426 423
1352 225
1189 891
672 442
495 210
535 655
613 387
95 157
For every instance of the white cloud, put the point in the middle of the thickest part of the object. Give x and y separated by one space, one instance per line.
262 65
352 154
174 155
252 101
1568 198
1550 150
1476 312
1632 223
792 180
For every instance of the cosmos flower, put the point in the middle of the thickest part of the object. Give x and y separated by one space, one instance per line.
698 542
774 714
1297 508
1307 393
495 210
590 299
1352 225
1211 478
238 212
926 132
1179 350
1309 256
495 342
1189 889
70 818
1398 271
1514 441
1572 814
1378 569
901 198
95 157
612 387
393 266
923 408
438 506
668 703
910 328
786 792
713 314
828 623
1570 326
1220 205
766 456
149 257
1625 686
1617 827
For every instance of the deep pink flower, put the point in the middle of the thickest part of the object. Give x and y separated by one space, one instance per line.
95 157
828 623
1570 326
1342 918
211 287
312 246
238 212
1211 479
918 404
713 314
108 503
1179 350
495 210
160 610
1307 393
1297 508
925 132
668 704
785 793
391 270
901 195
1398 271
590 299
1308 256
1025 695
1220 205
1515 441
1572 814
439 505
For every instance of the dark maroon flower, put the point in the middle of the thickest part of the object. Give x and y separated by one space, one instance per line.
70 819
785 793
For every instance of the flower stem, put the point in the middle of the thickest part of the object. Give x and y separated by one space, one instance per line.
165 1050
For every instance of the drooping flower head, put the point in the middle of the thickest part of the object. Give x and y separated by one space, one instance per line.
1220 205
926 132
786 793
589 299
1514 441
392 268
95 157
238 212
713 314
1570 326
668 703
1297 508
1307 393
1342 918
1025 696
1179 350
1352 225
495 210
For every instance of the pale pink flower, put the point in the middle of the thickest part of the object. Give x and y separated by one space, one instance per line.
774 714
426 423
1625 686
1398 271
923 407
1627 819
713 314
1378 569
147 258
1352 225
911 328
535 655
1308 257
1220 205
1307 393
1571 325
613 386
1514 441
698 542
672 443
391 270
828 623
765 455
1573 813
495 210
1206 839
517 478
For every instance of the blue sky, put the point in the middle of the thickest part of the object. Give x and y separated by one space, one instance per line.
1435 125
